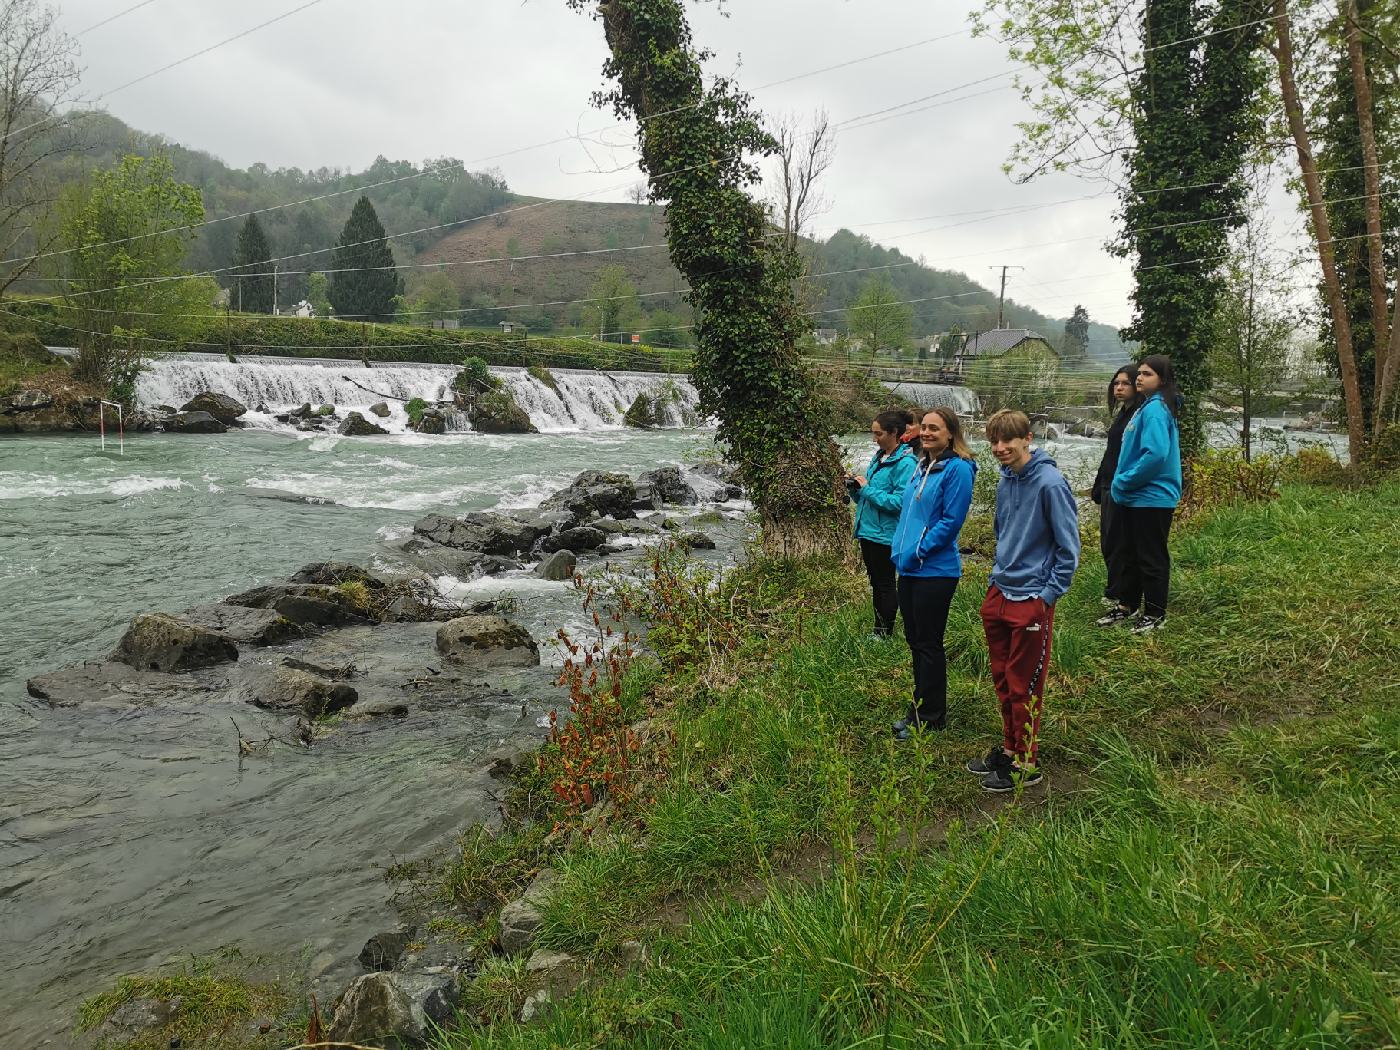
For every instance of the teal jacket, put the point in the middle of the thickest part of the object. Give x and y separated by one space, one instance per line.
1149 465
878 500
936 503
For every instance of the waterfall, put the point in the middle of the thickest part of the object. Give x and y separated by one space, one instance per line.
271 385
937 395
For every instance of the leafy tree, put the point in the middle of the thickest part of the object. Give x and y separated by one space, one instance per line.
615 308
437 300
128 226
318 294
666 329
252 291
696 140
951 343
364 279
879 320
1074 348
1253 328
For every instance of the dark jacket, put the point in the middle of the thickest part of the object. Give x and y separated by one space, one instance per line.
1104 478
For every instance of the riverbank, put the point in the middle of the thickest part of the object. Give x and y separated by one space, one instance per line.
1209 861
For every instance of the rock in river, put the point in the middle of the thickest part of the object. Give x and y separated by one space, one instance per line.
225 409
487 639
291 688
356 425
158 642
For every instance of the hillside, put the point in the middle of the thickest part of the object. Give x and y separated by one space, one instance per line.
487 222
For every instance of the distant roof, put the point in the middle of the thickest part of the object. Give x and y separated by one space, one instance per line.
997 341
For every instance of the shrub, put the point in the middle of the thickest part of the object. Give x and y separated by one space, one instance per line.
474 378
1317 466
1220 477
1383 455
415 410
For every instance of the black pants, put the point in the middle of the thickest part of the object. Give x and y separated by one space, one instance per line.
924 601
881 572
1111 537
1145 564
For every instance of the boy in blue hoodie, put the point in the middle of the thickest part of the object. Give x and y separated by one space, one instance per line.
1037 530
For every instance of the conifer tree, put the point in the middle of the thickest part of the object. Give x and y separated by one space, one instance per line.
363 281
252 289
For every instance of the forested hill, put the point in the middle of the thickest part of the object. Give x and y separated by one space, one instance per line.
512 228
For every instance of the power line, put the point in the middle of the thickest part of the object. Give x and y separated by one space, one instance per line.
113 18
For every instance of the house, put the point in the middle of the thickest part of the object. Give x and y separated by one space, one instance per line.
824 336
509 327
447 323
301 309
1012 343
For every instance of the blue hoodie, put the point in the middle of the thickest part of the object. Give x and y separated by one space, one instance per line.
1037 526
1149 465
935 506
877 501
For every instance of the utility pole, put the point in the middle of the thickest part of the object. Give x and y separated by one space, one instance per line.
274 289
1001 302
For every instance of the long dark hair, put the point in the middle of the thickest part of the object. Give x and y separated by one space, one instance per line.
1131 372
957 444
1171 394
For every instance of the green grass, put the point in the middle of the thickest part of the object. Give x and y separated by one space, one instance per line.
1221 872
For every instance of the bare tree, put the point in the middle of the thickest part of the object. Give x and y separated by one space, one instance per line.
805 152
38 71
638 193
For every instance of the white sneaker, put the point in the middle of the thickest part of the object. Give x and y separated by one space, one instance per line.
1147 624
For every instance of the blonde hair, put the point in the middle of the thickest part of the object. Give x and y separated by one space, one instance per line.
1007 424
956 441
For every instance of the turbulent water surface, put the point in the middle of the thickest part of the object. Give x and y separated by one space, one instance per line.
128 837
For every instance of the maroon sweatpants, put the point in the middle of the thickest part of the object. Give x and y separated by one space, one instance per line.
1018 641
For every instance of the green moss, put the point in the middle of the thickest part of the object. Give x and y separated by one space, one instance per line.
545 376
415 410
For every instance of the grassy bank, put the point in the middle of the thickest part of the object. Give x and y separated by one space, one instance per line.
1208 866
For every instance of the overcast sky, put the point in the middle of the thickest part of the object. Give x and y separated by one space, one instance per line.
484 80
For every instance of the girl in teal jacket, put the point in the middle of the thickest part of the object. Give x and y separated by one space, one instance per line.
1147 487
877 494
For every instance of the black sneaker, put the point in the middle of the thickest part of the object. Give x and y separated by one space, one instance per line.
1005 779
995 759
1115 615
1147 624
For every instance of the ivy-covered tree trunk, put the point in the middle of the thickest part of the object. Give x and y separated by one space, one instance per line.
1194 119
697 144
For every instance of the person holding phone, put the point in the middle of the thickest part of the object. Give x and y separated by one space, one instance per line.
877 494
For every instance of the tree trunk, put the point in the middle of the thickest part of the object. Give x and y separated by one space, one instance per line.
1322 232
1372 173
1384 408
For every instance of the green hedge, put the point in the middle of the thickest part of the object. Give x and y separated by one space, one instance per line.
318 337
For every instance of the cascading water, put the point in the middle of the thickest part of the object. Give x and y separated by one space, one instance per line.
938 395
577 400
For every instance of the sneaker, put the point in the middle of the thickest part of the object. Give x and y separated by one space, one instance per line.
900 726
995 759
879 636
1147 624
1004 780
1117 614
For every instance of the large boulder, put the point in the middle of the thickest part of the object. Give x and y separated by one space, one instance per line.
356 425
582 538
244 625
374 1010
484 531
108 682
437 560
380 409
304 604
596 493
487 639
225 409
292 689
558 566
431 422
333 573
696 541
495 412
667 485
194 423
160 642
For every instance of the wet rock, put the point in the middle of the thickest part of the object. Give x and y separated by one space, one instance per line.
558 566
244 625
431 422
356 425
433 997
496 412
520 919
26 401
383 709
292 690
487 639
581 538
644 413
383 950
160 642
373 1009
287 497
107 682
332 573
307 605
596 493
137 1017
437 560
380 409
695 541
225 409
324 669
667 485
505 766
486 531
195 423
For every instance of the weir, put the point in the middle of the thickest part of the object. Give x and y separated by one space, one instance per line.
937 395
583 401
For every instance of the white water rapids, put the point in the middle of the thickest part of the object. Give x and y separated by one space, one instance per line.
269 385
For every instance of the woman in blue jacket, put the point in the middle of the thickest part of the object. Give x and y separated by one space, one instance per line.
876 494
926 554
1147 487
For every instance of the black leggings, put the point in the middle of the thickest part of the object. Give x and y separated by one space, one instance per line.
1146 564
924 601
1111 537
880 569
